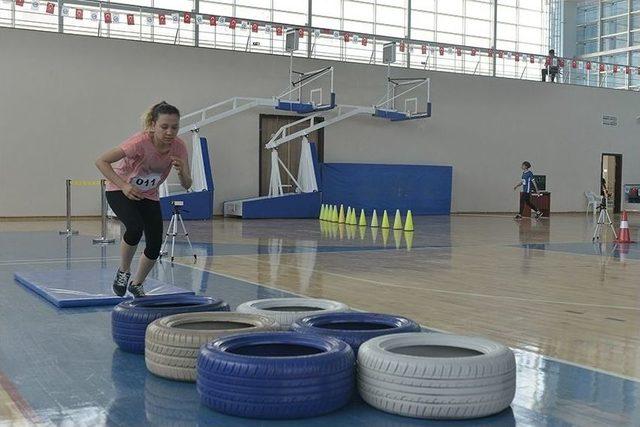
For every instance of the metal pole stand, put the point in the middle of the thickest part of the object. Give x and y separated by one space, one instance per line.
68 232
172 231
103 240
603 219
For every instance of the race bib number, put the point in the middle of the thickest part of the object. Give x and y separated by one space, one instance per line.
146 183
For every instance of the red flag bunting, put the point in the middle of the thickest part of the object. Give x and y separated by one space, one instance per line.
19 2
561 63
213 21
626 70
490 53
79 13
574 63
500 54
601 67
346 37
301 32
458 51
587 65
254 27
130 19
279 30
547 61
364 41
516 57
424 49
233 23
615 68
473 52
187 18
51 8
401 46
441 49
107 17
162 19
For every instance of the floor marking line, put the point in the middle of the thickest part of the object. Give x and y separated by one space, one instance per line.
543 356
445 291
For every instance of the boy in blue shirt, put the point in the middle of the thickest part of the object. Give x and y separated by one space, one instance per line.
528 186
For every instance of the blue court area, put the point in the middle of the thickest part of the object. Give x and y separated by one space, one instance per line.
65 366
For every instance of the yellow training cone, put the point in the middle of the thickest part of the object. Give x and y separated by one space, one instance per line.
374 219
354 217
322 211
334 215
408 237
363 219
397 236
397 222
341 215
408 224
347 216
385 220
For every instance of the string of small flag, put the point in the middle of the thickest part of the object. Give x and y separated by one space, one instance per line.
232 23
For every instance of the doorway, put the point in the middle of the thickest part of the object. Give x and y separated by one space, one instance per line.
289 152
611 172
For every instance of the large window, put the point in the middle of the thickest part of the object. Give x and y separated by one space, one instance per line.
447 35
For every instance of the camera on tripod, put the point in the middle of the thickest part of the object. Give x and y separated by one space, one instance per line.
172 231
603 203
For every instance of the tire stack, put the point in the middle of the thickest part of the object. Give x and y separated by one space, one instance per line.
245 365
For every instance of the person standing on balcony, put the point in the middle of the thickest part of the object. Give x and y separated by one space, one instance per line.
551 68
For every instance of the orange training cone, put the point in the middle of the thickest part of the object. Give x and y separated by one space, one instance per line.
624 236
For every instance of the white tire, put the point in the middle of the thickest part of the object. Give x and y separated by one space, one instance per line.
172 343
285 311
431 375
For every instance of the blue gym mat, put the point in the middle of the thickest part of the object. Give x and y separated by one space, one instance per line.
87 287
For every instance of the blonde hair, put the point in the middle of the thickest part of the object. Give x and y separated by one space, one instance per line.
151 115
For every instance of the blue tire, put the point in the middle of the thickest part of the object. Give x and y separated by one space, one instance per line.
129 319
354 328
275 375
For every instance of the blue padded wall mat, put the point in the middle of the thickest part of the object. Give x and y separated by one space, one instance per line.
85 287
424 189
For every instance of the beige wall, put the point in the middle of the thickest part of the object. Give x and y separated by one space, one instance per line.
65 99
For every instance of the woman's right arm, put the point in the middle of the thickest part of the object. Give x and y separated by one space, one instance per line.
103 163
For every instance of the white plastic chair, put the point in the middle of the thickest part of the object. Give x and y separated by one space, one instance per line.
593 201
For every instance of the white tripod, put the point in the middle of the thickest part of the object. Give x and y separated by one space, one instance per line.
603 219
172 231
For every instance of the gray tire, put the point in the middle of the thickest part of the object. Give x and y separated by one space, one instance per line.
285 311
172 343
431 375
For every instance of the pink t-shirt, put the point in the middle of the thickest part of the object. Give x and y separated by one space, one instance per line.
143 166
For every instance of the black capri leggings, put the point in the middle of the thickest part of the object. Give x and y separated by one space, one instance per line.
139 216
525 198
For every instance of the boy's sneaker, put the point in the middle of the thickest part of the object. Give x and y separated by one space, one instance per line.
136 290
538 215
120 283
518 216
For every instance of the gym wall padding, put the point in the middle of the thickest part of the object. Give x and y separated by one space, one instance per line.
424 189
302 205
